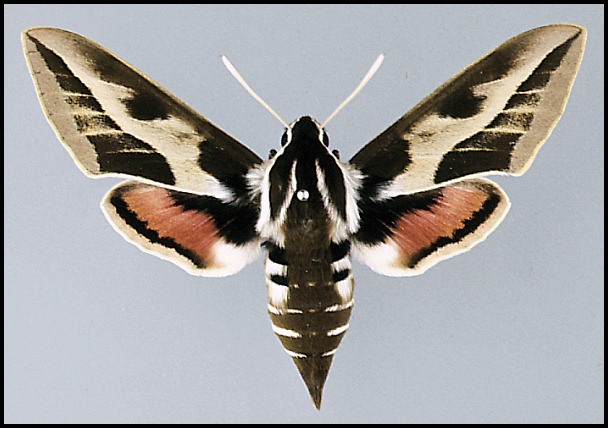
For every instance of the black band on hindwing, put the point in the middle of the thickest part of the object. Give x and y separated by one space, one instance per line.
234 222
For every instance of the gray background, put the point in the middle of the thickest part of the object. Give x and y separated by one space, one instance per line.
97 331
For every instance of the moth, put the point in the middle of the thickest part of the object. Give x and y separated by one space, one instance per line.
413 196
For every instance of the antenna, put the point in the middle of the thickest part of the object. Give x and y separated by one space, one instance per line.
358 89
245 85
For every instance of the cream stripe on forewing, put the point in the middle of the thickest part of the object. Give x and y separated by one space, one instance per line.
555 96
427 152
58 113
174 135
432 135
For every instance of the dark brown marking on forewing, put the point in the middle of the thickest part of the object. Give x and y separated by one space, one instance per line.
63 75
461 104
484 151
123 153
515 121
98 123
523 100
85 102
390 158
147 106
541 76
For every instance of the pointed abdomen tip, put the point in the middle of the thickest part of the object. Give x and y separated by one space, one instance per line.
314 370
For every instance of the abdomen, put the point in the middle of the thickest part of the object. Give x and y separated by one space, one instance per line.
310 298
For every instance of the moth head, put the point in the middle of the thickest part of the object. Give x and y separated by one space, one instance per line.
305 130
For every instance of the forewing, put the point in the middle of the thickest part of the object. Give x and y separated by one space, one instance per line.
490 118
114 120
